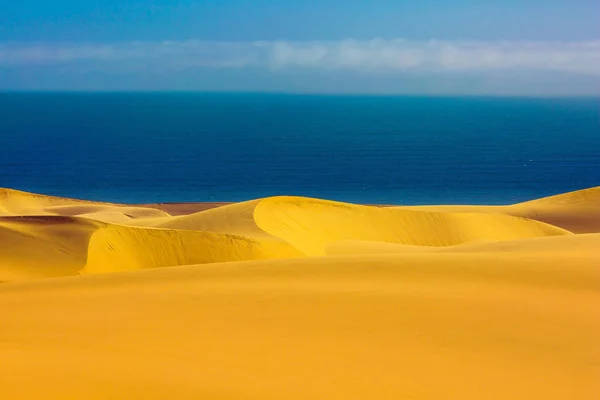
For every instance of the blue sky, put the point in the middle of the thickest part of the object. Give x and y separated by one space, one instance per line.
525 47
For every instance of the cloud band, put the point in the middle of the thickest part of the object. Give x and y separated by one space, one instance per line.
368 56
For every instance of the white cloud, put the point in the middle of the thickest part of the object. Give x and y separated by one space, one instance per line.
368 56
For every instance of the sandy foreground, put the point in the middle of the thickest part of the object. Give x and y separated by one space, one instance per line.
298 298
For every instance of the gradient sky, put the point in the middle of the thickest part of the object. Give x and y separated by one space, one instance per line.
525 47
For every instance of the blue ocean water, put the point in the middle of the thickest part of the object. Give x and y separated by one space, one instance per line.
155 147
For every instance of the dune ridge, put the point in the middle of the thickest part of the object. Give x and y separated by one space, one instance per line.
578 211
17 202
299 298
103 237
548 244
33 247
114 248
311 224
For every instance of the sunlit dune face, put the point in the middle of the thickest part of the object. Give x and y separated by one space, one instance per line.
298 298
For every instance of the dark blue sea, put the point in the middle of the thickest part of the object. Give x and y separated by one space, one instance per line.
156 147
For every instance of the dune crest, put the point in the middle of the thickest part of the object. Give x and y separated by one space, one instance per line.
235 219
299 298
311 224
577 211
34 247
584 244
116 248
16 202
586 197
70 236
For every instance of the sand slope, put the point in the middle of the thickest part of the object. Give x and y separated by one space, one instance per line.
91 211
299 298
43 247
585 197
311 224
235 219
577 212
16 202
572 244
59 237
452 326
120 248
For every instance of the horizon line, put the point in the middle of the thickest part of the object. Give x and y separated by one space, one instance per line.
295 93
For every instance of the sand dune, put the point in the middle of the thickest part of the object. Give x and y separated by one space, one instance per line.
299 298
576 218
75 236
588 244
452 326
185 208
130 212
235 219
586 197
577 212
16 202
43 246
115 248
311 224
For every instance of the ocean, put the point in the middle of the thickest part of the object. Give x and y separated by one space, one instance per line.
157 147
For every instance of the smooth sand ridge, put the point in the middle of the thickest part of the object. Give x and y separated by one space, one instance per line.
34 247
577 212
278 227
311 224
97 211
588 244
574 211
114 248
67 237
185 208
43 246
16 202
584 197
418 326
248 218
581 216
464 306
48 245
235 219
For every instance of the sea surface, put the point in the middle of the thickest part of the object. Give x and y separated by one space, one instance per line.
157 147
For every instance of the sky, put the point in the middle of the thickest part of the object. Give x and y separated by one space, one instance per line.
470 47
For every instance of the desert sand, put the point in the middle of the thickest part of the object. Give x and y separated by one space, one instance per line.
299 298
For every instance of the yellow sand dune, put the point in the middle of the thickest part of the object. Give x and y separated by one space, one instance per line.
115 248
305 222
91 210
52 246
234 219
117 237
589 244
438 302
577 212
43 246
16 202
311 224
364 247
113 217
413 326
586 197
